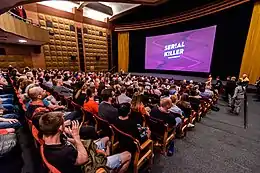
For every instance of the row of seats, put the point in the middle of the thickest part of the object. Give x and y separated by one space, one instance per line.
64 43
93 63
89 37
59 53
60 48
102 58
57 58
143 153
14 60
55 19
95 46
94 28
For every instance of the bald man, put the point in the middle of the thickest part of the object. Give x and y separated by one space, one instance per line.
37 108
163 112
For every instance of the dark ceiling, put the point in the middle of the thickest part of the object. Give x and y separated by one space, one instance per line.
170 7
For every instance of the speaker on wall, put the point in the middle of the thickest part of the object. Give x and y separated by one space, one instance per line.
73 58
2 51
37 49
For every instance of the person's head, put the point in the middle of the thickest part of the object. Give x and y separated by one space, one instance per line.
123 90
107 94
193 92
233 78
185 97
244 76
47 78
240 81
228 78
36 93
174 99
124 109
218 78
24 84
59 82
166 103
51 123
136 100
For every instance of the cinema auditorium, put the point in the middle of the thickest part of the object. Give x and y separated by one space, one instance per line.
129 86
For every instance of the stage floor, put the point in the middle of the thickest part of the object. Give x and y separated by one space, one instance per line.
251 88
175 77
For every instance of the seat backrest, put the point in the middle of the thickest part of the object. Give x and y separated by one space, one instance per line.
90 118
49 166
137 117
104 126
126 141
157 126
194 102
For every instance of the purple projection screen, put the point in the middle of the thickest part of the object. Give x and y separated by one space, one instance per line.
189 51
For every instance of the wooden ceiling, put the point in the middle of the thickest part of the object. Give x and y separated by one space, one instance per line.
5 5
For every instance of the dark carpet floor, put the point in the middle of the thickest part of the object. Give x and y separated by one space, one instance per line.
218 144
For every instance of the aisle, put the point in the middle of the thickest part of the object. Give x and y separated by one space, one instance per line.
218 144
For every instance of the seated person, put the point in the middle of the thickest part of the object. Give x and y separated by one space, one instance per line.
73 153
206 93
185 106
61 90
128 126
105 109
37 95
9 121
81 94
48 82
137 104
175 108
194 99
90 104
163 113
123 98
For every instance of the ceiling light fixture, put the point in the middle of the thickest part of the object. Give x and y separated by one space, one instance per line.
22 41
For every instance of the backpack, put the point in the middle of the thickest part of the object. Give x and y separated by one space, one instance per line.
96 158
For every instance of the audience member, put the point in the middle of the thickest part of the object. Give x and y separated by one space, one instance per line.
75 155
123 98
90 104
105 109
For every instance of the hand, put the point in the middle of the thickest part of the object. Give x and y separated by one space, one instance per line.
67 123
62 107
74 130
11 121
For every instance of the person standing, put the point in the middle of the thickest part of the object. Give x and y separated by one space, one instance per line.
238 97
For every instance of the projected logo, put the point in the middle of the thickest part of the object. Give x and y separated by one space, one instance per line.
175 50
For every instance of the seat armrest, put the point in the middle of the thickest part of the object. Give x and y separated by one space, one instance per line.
145 144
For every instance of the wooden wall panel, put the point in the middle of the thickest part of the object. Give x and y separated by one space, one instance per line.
18 56
96 49
62 43
11 24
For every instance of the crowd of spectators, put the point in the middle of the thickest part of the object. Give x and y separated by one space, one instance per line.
116 98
